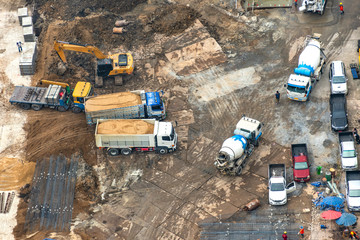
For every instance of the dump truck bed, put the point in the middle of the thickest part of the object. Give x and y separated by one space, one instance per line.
346 137
296 149
277 170
352 175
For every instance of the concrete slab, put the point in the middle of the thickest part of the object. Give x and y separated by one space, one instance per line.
194 214
172 185
212 204
176 223
258 4
196 57
229 191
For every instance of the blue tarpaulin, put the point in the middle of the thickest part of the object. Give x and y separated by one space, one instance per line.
346 219
333 201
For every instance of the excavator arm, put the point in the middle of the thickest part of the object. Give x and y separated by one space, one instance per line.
60 46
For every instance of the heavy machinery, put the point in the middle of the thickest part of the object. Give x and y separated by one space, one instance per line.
125 105
124 136
57 95
308 72
314 6
115 65
235 150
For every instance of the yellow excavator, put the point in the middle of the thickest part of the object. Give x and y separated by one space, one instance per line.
115 65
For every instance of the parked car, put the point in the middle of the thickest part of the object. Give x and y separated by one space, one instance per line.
338 114
338 79
301 171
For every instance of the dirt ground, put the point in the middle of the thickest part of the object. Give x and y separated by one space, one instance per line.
214 65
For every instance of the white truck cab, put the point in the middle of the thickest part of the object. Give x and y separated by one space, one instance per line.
298 87
338 79
166 136
249 128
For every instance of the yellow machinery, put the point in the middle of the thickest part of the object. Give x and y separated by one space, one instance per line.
107 65
80 92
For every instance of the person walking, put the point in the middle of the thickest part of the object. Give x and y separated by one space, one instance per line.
19 46
295 3
341 8
355 131
357 138
284 236
302 231
277 96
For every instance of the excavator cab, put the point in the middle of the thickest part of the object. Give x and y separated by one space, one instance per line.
81 91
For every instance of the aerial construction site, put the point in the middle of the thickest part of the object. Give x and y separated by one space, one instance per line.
166 119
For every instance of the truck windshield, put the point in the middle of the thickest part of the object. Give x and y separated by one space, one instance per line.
354 193
300 165
338 79
277 187
296 89
349 154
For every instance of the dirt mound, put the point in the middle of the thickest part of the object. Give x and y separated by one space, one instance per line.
173 19
69 9
125 126
111 101
51 133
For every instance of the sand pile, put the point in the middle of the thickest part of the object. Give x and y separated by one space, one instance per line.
15 173
110 101
125 126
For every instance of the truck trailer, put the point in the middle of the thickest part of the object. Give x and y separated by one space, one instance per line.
125 105
352 180
235 150
308 72
348 152
123 136
57 96
278 189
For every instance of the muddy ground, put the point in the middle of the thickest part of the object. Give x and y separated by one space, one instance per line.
214 66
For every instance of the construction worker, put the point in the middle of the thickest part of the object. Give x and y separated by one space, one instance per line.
302 231
295 2
341 8
284 236
353 235
19 46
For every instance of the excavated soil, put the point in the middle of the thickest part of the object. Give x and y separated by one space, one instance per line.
125 127
110 101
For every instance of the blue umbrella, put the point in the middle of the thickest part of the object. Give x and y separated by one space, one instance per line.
346 219
333 201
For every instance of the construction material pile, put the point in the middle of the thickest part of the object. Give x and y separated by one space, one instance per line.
125 126
111 101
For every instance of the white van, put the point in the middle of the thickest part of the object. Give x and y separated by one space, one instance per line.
338 79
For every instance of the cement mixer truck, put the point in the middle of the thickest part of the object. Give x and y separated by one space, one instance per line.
308 72
235 150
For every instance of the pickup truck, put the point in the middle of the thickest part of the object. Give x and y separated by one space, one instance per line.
347 151
300 161
352 180
338 114
278 189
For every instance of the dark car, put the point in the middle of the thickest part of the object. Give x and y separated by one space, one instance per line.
339 121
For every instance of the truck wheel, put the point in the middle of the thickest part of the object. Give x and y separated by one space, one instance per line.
61 109
126 151
113 152
239 171
163 151
36 107
25 106
76 110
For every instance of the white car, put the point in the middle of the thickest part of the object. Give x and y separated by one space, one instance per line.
338 79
